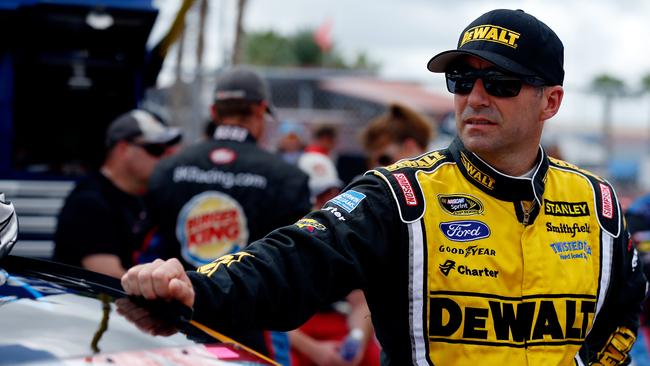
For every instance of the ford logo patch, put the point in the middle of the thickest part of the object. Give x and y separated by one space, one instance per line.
465 230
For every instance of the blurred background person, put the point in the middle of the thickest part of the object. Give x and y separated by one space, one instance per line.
320 340
291 143
219 194
323 140
399 133
103 220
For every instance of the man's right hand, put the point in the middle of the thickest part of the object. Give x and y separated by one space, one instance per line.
160 279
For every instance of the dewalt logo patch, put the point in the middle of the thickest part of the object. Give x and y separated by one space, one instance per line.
491 33
476 174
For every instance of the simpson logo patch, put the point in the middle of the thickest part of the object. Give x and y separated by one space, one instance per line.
348 200
460 204
209 226
606 197
404 183
491 33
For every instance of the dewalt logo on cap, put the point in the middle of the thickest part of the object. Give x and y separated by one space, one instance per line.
491 33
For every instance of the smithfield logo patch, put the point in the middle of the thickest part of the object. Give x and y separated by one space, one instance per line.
491 33
465 230
460 204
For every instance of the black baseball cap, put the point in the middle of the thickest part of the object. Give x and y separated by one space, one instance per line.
512 40
242 83
143 126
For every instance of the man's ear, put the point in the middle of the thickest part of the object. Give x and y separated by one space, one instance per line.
552 100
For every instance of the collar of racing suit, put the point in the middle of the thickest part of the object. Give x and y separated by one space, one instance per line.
233 133
496 184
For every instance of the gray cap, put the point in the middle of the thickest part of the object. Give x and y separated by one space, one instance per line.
242 83
142 126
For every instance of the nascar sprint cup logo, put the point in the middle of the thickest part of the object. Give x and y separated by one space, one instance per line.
465 230
460 204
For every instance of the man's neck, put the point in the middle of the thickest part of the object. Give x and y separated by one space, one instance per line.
121 181
511 164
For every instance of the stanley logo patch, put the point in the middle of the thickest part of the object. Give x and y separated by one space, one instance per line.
491 33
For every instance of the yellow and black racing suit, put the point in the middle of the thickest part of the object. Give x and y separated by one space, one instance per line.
461 265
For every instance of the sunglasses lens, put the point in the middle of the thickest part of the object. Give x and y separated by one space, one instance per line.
502 85
156 150
495 83
460 85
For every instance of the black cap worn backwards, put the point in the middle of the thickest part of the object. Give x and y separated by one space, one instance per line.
242 83
512 40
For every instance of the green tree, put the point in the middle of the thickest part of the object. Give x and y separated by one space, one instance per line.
609 87
268 48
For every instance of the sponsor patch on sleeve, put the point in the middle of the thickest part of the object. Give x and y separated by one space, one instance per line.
606 197
348 200
407 190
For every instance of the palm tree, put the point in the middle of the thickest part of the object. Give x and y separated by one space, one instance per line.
609 87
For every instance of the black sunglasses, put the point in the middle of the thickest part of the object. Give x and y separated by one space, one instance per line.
496 83
155 150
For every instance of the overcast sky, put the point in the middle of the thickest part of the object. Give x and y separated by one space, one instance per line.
599 36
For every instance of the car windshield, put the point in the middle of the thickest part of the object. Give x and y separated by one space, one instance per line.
50 311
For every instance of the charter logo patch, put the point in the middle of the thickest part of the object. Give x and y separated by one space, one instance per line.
334 211
606 197
424 162
561 208
464 270
209 226
476 174
460 204
491 33
447 266
404 183
465 230
310 225
568 250
348 200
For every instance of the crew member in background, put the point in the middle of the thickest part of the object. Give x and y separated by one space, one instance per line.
104 221
398 133
215 197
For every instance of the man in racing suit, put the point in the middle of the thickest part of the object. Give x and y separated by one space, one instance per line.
486 253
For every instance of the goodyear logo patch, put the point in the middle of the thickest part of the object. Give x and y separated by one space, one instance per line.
460 204
465 230
348 200
561 208
476 174
491 33
568 250
510 322
209 226
423 162
310 225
